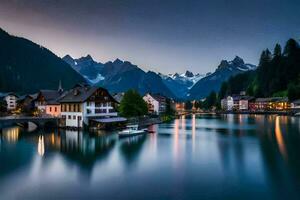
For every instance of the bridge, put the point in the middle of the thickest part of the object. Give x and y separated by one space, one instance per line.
24 120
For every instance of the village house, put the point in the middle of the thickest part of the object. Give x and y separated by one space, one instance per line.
227 103
11 100
156 103
47 102
245 103
83 105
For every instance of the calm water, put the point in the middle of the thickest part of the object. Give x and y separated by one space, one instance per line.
197 157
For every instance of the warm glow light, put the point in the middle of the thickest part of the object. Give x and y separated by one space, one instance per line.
176 138
11 134
41 145
193 132
279 138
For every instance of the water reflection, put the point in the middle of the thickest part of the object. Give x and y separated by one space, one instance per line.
10 134
279 138
131 148
216 156
41 145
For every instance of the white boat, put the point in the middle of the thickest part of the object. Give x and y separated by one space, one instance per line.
131 130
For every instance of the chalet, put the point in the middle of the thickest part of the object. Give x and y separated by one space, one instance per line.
84 104
47 102
11 100
156 103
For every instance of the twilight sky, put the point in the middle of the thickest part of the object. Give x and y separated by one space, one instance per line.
161 35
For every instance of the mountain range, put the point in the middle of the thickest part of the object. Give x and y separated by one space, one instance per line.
27 67
213 81
119 76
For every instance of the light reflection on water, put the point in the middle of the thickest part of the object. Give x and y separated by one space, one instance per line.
205 156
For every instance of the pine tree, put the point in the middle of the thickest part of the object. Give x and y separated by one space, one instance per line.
291 47
277 50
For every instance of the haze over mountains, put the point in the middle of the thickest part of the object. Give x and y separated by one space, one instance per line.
26 67
119 76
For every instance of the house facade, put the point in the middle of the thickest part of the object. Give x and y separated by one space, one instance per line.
156 103
10 99
47 102
84 103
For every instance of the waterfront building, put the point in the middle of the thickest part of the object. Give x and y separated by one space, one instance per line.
244 103
47 102
272 103
11 100
156 103
230 103
84 104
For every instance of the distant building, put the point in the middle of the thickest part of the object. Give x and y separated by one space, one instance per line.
272 103
244 102
156 103
224 104
83 104
236 102
228 103
11 100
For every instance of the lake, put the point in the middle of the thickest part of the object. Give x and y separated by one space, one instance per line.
194 157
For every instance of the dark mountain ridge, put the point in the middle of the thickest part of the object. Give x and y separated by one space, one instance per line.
27 67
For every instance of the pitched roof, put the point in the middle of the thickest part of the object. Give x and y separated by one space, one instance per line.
158 97
50 96
81 93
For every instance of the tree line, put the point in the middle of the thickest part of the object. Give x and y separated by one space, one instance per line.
278 74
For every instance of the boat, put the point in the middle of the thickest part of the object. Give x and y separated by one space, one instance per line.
132 130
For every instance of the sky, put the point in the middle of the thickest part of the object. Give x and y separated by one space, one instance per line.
165 36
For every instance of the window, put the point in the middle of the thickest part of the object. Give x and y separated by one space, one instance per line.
74 117
69 116
55 109
79 118
88 111
50 109
88 103
100 110
63 116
